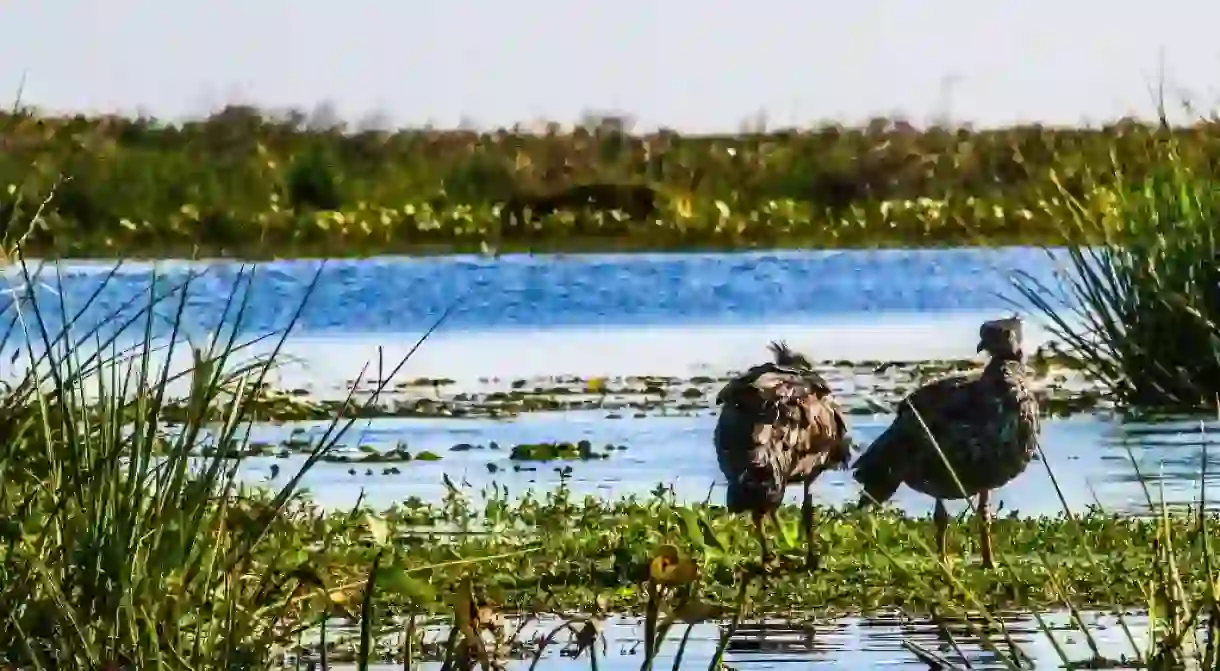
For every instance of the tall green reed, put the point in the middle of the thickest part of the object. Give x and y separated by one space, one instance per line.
119 548
1138 294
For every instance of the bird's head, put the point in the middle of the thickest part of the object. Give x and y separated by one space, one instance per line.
1001 338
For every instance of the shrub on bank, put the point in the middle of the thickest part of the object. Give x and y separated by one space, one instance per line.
241 180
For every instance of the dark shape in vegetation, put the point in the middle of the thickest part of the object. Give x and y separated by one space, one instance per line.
312 183
984 427
778 424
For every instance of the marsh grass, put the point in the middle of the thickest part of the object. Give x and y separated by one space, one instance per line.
243 181
117 552
1139 288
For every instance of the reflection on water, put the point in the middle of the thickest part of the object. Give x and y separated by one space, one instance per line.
851 643
1087 454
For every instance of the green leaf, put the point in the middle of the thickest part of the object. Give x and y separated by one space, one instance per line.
710 536
397 580
379 530
693 531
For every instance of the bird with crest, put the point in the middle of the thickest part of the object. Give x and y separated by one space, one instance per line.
779 424
959 436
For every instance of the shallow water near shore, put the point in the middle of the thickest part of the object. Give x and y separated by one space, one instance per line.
848 643
522 317
1087 454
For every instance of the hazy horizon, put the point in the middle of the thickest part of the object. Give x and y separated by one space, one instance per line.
687 66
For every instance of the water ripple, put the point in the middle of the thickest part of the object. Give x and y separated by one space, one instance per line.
399 294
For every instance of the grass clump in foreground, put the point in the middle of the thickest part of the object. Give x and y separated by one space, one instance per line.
243 182
1139 313
115 552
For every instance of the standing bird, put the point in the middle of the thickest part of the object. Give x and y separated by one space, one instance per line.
779 424
985 423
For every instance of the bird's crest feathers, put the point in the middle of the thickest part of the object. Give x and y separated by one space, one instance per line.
785 356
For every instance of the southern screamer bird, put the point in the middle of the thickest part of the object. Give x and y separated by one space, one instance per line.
779 424
985 423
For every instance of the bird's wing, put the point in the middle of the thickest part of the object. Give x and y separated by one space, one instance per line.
771 382
780 385
943 404
957 410
809 377
828 431
807 426
949 398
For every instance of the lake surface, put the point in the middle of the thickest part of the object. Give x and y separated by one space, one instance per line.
522 317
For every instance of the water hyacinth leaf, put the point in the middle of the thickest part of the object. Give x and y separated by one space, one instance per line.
396 580
694 532
378 529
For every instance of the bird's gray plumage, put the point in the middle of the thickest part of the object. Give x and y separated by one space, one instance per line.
779 424
985 423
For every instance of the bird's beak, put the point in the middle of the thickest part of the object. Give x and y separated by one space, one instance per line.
980 348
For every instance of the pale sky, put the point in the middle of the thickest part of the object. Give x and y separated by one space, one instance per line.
694 65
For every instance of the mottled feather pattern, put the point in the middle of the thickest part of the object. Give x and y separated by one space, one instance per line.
778 425
985 422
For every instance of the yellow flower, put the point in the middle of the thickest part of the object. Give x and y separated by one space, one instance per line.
684 208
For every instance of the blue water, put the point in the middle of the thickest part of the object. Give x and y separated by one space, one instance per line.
398 294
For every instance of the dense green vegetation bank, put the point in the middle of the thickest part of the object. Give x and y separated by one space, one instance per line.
243 182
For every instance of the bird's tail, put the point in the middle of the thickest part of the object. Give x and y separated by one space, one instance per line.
878 470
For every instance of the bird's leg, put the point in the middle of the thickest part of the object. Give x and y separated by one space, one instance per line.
985 527
811 557
779 528
757 517
941 517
